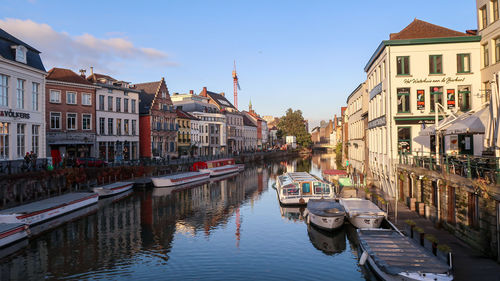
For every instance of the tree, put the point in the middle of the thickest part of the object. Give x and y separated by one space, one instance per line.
292 124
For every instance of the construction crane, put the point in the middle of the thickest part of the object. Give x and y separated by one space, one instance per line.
236 86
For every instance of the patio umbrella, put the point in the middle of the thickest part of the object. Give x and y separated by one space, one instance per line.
491 136
474 123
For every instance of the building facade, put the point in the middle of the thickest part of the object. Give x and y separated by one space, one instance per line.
407 77
187 133
157 118
70 115
117 119
357 108
22 100
249 134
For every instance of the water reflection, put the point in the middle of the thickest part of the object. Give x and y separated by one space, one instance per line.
292 213
328 242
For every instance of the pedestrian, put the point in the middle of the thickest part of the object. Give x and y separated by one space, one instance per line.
27 160
33 157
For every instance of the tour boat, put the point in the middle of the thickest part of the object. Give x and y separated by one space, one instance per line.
393 256
113 189
219 171
326 214
12 232
299 187
179 179
363 213
46 209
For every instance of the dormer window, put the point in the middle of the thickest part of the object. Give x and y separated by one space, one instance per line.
21 53
164 95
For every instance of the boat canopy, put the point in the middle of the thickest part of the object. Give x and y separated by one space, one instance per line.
356 207
325 208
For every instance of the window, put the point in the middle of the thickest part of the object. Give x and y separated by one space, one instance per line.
483 16
133 106
110 103
20 93
403 65
494 9
497 49
164 95
436 97
118 104
34 96
4 90
101 102
125 126
20 140
110 91
463 63
125 105
86 99
21 54
86 122
486 55
55 96
4 140
403 100
70 98
404 139
134 126
119 127
436 64
110 126
71 121
101 126
35 138
55 120
464 98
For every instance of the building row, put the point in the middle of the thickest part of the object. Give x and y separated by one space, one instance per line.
65 115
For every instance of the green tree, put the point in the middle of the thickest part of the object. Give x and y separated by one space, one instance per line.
292 124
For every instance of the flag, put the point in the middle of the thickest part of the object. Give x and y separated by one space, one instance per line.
238 84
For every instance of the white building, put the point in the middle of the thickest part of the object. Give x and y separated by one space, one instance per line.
419 67
117 119
22 99
356 113
249 134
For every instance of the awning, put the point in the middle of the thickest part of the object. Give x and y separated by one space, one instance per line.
431 130
475 123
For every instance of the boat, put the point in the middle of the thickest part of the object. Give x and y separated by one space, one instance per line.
298 187
241 167
180 179
162 192
221 170
113 189
330 243
47 209
326 214
212 164
11 233
393 256
363 213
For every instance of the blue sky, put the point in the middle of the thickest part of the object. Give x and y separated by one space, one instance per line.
306 55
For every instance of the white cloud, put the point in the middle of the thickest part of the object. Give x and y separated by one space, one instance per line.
106 55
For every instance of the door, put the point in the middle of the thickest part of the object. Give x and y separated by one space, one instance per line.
451 205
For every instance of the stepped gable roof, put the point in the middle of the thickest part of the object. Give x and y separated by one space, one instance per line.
185 115
66 75
220 100
149 87
148 92
418 29
7 41
247 121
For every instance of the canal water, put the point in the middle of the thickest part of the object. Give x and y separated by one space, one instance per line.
231 229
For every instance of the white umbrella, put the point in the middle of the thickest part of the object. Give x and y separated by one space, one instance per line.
491 139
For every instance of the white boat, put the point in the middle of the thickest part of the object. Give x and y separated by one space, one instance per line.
221 170
47 209
363 213
12 232
162 192
179 179
393 256
113 189
326 214
297 188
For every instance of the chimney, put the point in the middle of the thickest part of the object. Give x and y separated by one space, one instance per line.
191 92
91 70
223 94
204 92
82 73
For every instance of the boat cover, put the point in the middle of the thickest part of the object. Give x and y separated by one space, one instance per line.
325 208
356 207
5 227
182 175
47 203
115 185
394 253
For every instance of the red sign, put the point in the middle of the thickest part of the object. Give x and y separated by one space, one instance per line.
450 97
420 99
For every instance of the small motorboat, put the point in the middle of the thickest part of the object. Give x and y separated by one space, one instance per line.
363 213
180 179
113 189
326 214
393 256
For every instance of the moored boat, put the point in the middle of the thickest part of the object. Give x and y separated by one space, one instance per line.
49 208
362 213
219 171
298 187
180 179
326 214
241 167
212 164
12 232
393 256
113 189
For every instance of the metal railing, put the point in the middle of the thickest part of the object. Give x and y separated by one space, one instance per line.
467 166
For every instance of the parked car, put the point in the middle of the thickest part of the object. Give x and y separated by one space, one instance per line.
90 162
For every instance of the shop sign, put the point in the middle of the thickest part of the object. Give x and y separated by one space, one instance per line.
450 95
426 80
377 122
376 90
416 121
420 100
14 114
